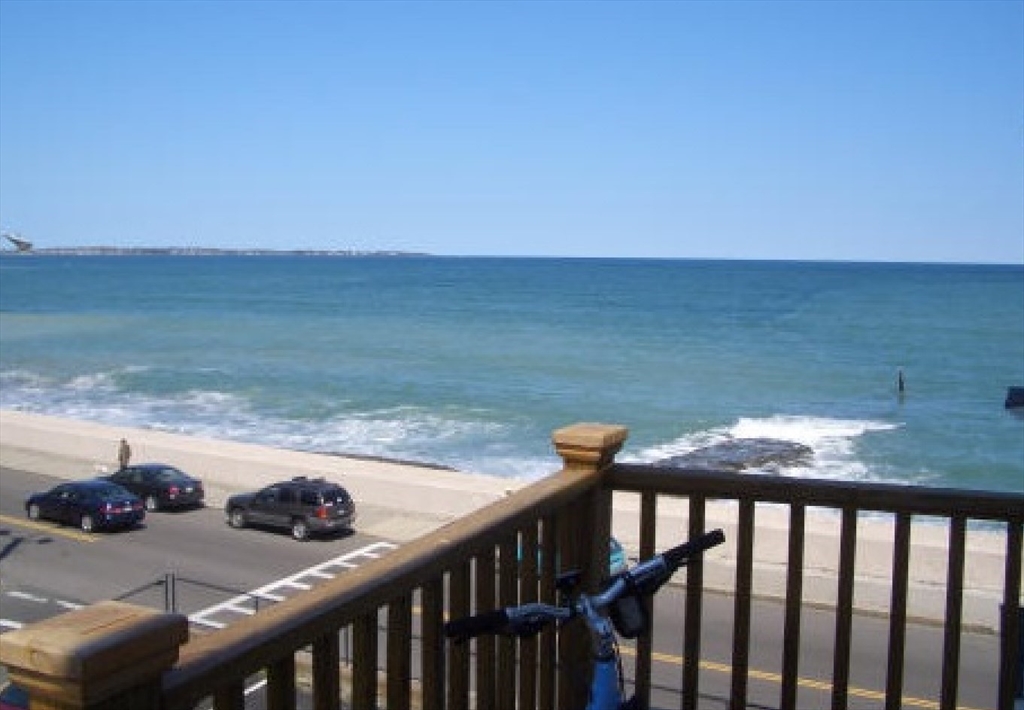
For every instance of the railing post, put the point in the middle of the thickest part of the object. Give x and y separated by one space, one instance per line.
109 655
589 447
586 450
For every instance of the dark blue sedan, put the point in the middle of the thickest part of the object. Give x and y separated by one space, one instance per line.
160 486
90 505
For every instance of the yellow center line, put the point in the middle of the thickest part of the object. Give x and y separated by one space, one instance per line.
824 686
51 528
810 683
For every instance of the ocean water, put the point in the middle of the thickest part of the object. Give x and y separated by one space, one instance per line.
472 362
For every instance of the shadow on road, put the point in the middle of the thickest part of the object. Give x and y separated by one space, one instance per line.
16 540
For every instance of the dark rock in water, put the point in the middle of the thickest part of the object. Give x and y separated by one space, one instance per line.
1014 397
738 455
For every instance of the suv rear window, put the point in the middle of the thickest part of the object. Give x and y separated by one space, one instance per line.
334 496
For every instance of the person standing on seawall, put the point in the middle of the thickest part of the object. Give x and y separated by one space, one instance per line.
124 453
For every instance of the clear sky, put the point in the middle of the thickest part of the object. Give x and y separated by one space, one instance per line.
872 130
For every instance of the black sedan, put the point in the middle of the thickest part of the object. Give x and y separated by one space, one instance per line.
90 505
160 486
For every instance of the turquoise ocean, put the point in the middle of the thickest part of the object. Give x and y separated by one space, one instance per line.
472 362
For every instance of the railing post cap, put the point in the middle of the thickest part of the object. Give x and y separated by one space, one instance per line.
92 653
589 444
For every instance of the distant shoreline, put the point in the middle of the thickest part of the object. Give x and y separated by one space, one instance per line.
202 251
397 254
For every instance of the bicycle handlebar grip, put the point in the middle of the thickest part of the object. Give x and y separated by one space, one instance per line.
487 623
678 555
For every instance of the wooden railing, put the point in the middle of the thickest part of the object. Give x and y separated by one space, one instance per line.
114 655
954 508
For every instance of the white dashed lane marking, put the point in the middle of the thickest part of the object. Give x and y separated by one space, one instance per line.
40 606
28 597
220 615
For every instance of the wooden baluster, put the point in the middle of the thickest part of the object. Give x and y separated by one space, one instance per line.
431 655
281 684
794 601
898 613
741 605
954 612
528 593
364 662
399 653
844 609
694 606
486 655
327 672
459 653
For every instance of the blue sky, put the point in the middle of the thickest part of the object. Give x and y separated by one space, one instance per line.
873 130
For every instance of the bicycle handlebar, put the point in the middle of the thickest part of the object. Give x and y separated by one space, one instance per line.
528 619
681 553
523 620
490 622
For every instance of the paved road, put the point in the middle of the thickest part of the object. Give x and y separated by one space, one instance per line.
45 570
979 656
42 561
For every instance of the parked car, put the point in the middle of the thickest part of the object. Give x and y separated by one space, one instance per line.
160 486
302 505
92 504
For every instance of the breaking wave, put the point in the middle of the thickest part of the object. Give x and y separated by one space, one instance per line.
833 441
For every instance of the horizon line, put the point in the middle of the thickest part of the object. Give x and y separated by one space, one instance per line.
108 250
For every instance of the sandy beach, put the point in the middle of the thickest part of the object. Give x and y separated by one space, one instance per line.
401 501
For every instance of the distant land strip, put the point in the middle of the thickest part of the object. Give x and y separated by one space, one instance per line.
201 251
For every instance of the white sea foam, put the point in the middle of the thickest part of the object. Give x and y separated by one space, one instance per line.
21 380
91 382
462 439
406 433
833 441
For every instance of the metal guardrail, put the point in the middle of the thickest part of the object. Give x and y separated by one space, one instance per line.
242 603
169 585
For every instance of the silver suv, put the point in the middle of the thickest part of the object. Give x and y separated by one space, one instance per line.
302 505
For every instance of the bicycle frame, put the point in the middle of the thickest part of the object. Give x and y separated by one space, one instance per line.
605 685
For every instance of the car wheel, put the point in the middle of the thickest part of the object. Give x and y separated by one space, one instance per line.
236 518
33 512
299 529
86 523
152 503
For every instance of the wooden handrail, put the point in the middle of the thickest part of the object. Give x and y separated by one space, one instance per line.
826 493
